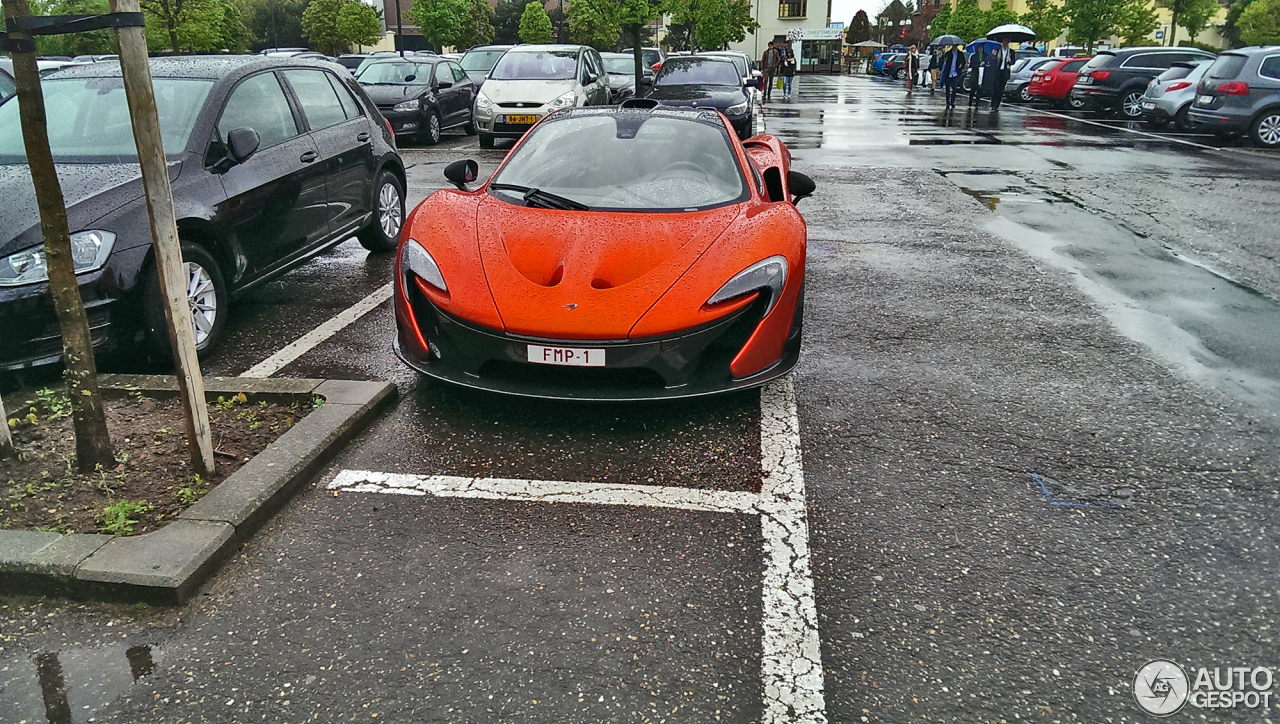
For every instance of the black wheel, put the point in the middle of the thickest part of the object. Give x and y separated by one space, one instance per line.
1131 105
470 128
430 131
1024 94
900 74
1265 129
486 140
1183 120
207 302
383 231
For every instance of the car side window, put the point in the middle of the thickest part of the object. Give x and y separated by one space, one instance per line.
459 74
259 103
1270 67
319 102
349 105
1144 60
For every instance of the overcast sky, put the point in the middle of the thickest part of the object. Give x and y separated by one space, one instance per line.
842 11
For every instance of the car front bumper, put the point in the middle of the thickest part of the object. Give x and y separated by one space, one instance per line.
404 122
30 335
687 364
493 120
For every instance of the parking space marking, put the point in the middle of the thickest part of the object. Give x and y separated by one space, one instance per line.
310 340
791 667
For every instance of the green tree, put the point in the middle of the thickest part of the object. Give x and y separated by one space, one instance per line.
860 27
968 21
1196 18
1045 17
506 21
276 23
713 24
633 16
1231 28
941 21
595 23
439 21
1090 21
998 14
535 25
191 26
236 35
96 42
477 29
1259 23
1180 9
1136 21
333 26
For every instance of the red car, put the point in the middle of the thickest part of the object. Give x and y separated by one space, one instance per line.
616 254
1053 82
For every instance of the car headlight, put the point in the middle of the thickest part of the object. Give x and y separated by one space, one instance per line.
483 102
769 274
89 252
564 101
737 110
416 259
412 105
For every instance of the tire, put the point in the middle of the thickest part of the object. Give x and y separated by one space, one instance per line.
1024 94
430 135
1265 129
900 74
1182 119
486 140
1130 105
204 286
382 233
1074 104
470 128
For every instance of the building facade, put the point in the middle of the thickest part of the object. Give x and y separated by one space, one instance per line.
804 24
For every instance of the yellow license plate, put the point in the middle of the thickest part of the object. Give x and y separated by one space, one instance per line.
521 119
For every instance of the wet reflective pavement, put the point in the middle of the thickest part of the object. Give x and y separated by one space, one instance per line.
987 296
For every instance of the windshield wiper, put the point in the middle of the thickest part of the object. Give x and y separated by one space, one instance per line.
543 199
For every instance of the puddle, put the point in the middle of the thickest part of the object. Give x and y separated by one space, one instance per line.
70 686
1206 324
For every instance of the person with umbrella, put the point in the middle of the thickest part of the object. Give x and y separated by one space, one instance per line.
1000 61
951 67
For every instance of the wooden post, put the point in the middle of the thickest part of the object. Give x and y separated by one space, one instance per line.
93 442
6 440
164 235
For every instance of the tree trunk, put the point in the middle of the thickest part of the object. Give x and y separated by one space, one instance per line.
1173 27
93 443
6 441
639 57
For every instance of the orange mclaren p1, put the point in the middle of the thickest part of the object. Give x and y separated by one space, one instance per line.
616 254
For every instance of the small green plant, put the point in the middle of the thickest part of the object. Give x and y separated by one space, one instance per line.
122 457
55 403
226 403
117 518
136 395
316 402
189 494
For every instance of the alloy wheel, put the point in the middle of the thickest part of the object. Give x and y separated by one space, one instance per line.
1132 106
1025 93
1269 130
202 298
389 210
433 127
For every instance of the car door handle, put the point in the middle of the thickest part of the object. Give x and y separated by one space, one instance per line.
363 137
307 157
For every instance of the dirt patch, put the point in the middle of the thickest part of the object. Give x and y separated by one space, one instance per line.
152 479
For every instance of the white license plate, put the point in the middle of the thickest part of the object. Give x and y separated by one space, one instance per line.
567 356
1148 105
1204 100
1086 80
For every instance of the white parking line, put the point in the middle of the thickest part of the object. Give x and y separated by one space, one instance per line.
792 663
310 340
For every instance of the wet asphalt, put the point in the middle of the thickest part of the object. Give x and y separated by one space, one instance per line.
989 295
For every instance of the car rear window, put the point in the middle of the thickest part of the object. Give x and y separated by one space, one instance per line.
1175 73
1073 66
1101 60
1227 66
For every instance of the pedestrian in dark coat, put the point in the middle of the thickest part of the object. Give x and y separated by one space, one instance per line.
951 65
769 68
788 70
912 66
998 64
975 78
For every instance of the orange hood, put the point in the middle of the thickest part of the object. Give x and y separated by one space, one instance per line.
587 275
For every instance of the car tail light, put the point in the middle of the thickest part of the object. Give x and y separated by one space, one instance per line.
1234 88
390 129
1179 85
1100 74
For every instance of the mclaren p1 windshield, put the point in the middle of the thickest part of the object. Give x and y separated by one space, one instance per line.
626 161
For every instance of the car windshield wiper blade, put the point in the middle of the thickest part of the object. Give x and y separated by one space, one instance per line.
544 199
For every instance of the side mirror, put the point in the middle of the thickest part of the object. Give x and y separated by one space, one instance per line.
461 173
444 84
801 186
242 143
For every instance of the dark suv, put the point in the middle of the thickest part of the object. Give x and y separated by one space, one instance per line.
272 161
421 96
1114 80
1241 92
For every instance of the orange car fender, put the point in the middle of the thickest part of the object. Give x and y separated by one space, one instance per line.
445 225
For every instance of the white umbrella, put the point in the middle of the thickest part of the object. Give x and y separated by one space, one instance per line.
1012 32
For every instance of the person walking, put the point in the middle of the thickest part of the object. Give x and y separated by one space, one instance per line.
935 63
951 69
912 66
926 62
998 64
975 77
769 68
788 69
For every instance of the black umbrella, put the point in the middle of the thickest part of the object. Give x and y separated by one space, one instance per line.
1013 33
947 40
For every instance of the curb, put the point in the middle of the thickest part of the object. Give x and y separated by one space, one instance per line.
166 566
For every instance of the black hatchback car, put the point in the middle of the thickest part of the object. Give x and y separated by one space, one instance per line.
1240 93
1115 80
421 96
706 82
272 160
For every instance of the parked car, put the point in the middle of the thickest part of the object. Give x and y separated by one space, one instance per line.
741 60
530 81
94 58
877 65
1114 80
1016 87
652 57
1240 93
1067 51
621 68
7 85
1169 96
1024 53
480 60
706 82
420 96
895 67
273 160
1053 82
352 61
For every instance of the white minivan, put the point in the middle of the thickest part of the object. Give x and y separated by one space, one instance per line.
530 81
